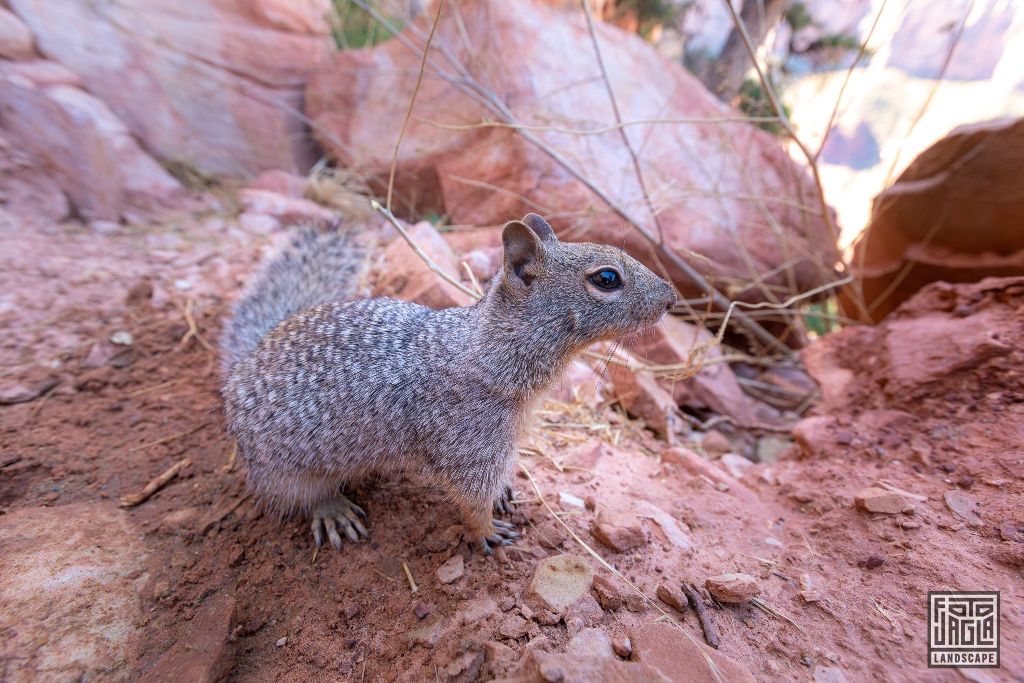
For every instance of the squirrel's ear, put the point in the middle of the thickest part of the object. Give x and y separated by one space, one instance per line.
541 227
523 252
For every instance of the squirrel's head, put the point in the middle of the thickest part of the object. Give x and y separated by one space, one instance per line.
587 292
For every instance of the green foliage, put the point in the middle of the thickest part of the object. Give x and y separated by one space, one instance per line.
754 101
820 317
840 41
435 219
798 17
354 27
650 13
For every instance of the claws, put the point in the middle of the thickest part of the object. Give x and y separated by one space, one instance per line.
504 534
336 517
504 505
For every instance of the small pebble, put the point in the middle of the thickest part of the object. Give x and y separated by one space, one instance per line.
281 642
622 646
874 562
122 338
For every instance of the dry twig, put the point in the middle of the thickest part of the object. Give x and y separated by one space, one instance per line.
408 574
706 625
154 484
386 212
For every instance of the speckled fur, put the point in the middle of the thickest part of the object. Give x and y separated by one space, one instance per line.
316 265
345 389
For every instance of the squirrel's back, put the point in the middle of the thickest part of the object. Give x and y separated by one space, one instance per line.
316 266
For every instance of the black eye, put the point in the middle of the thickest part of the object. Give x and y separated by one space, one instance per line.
606 279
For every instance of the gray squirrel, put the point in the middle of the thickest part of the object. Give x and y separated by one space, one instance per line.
321 391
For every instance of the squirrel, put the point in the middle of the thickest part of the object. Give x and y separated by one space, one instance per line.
321 390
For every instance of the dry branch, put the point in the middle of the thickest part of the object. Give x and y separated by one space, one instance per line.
465 83
397 225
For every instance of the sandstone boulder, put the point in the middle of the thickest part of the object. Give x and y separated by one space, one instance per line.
952 216
667 649
87 149
218 87
725 190
403 274
16 40
67 584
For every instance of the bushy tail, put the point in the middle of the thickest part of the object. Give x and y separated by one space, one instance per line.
316 266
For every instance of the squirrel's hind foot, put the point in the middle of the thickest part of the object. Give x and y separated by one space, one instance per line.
502 534
338 513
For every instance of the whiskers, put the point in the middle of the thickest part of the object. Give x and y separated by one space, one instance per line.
602 368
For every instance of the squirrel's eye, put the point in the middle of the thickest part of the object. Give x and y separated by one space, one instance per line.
607 279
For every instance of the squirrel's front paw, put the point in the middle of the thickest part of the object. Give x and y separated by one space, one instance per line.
502 533
337 513
503 504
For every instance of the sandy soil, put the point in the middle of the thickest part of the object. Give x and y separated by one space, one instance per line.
219 589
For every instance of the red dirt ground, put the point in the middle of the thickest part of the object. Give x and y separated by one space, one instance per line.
219 584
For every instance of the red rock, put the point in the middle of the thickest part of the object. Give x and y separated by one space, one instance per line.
90 153
32 198
512 626
881 501
608 593
495 651
715 443
483 263
23 393
619 530
67 589
286 210
41 72
568 668
814 435
478 609
712 386
558 582
539 81
735 465
824 366
622 647
674 532
733 587
451 570
200 651
404 275
585 611
673 597
590 642
281 182
550 535
701 467
218 87
16 40
963 506
640 394
427 635
930 346
953 215
680 658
